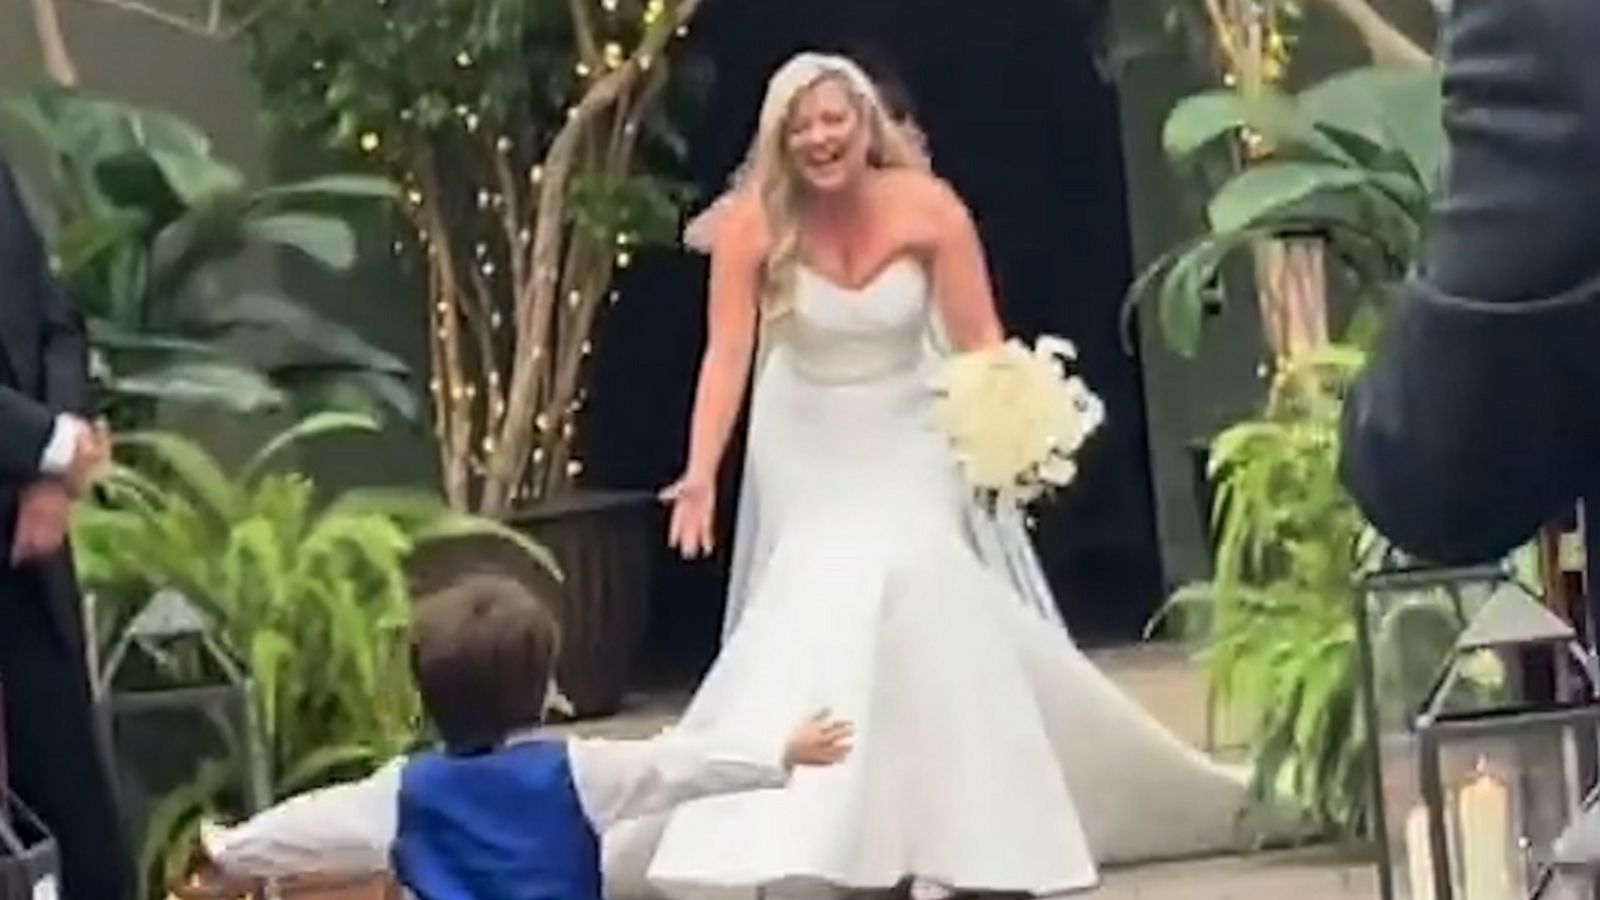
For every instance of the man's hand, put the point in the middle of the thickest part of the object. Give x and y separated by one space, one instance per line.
820 740
43 514
91 452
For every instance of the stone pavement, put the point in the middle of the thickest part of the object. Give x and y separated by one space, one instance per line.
1296 875
1163 680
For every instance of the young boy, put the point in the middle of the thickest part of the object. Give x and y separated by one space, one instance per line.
500 812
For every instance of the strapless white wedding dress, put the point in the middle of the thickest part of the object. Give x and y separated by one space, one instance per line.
990 753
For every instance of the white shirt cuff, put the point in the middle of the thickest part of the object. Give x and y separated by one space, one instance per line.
63 443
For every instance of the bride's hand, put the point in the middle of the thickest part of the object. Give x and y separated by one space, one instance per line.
693 500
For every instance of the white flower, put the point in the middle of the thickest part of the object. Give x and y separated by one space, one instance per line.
1015 418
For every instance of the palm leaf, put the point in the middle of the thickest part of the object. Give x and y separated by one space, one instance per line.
310 427
324 239
314 770
346 187
214 383
195 471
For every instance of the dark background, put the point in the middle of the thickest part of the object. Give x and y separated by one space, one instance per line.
1025 127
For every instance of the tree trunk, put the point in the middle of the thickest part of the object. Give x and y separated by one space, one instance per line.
53 47
1291 286
1388 45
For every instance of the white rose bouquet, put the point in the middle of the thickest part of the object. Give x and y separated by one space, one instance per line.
1016 417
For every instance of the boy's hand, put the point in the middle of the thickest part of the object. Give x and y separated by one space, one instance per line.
205 880
821 740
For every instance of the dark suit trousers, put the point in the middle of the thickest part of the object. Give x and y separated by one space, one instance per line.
59 764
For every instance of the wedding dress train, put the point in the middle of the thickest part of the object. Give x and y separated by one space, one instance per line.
990 753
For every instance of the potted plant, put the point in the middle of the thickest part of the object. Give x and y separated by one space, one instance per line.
309 593
1353 163
149 224
527 138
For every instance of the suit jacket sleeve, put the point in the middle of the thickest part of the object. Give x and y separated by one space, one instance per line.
26 422
65 351
1469 429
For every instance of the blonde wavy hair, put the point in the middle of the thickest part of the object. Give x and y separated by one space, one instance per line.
770 172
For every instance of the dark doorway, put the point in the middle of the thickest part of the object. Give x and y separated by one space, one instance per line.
1022 124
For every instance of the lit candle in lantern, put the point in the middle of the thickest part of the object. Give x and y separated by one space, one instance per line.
1483 810
1419 855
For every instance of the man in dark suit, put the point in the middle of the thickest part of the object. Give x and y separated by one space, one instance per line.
1478 419
48 451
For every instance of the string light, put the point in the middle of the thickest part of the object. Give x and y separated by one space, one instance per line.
488 268
624 260
414 196
574 468
583 69
464 60
609 6
536 174
370 141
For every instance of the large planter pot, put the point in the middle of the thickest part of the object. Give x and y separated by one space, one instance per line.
603 542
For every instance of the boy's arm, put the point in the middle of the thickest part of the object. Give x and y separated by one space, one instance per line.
342 830
619 780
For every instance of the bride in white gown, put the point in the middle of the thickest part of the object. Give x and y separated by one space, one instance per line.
991 755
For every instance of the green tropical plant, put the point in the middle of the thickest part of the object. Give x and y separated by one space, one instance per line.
1276 619
1354 161
310 594
150 224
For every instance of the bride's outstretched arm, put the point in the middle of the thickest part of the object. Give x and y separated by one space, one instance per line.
731 326
730 340
960 272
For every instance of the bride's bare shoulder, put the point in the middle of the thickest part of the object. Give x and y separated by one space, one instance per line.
931 201
745 231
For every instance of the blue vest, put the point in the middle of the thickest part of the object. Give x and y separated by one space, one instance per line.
506 825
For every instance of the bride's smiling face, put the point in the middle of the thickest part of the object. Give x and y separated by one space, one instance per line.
826 136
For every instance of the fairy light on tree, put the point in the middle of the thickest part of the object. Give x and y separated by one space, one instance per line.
525 184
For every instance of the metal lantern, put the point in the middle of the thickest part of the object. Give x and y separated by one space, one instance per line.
177 704
1480 704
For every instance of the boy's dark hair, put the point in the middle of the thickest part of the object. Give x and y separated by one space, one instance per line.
483 652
